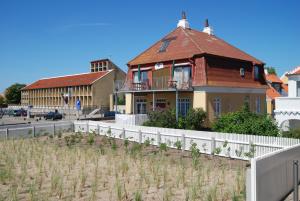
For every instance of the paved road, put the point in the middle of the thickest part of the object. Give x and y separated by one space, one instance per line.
18 122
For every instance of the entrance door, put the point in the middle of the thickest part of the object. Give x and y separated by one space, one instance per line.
141 105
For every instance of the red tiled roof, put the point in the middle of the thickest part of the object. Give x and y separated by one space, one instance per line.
296 71
185 43
272 93
66 81
273 78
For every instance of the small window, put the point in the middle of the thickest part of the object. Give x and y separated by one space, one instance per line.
242 72
164 45
217 107
256 72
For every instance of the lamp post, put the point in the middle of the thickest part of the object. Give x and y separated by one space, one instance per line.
116 99
174 85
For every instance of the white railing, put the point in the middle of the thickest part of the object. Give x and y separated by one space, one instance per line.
272 175
131 119
28 131
237 145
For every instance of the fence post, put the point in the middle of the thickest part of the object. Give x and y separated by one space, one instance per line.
123 134
158 138
296 180
183 142
98 128
33 131
213 145
140 136
6 133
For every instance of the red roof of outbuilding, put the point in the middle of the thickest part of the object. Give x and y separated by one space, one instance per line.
296 71
185 43
273 78
66 81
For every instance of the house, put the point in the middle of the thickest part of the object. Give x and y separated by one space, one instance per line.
276 88
201 68
287 109
92 88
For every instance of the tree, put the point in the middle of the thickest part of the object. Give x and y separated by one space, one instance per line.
2 100
13 93
246 122
271 70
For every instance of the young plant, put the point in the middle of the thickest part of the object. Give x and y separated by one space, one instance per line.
163 147
178 145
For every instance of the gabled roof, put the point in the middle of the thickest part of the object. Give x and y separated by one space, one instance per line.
67 81
273 78
186 43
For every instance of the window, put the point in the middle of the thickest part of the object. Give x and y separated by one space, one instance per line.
160 103
182 76
141 105
257 104
164 45
256 72
242 72
217 107
247 101
144 77
183 106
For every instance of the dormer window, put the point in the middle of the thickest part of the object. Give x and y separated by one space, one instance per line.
164 45
256 72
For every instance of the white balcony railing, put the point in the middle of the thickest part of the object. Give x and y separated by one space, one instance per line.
287 104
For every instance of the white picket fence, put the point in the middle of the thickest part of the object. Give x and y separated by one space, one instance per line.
208 142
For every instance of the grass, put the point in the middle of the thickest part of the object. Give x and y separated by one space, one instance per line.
90 167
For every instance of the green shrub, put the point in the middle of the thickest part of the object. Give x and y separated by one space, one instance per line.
162 118
195 119
294 133
163 147
178 145
246 122
167 119
91 138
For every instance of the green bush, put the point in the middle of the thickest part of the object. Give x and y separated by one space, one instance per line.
294 133
246 122
195 119
167 119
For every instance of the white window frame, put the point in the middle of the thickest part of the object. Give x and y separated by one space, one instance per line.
217 107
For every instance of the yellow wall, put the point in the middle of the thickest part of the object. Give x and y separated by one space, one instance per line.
128 106
200 100
270 107
231 102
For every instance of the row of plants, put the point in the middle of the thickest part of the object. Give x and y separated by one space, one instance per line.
243 122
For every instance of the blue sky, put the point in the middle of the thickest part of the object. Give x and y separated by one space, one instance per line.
40 38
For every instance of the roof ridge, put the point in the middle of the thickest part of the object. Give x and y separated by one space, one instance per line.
60 76
194 41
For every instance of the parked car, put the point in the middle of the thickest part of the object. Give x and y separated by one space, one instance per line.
53 115
20 113
110 114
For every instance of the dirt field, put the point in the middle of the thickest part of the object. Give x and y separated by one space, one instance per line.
77 167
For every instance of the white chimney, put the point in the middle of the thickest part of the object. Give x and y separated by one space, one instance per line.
207 29
183 23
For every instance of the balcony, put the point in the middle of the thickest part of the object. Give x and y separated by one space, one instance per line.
157 84
287 104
